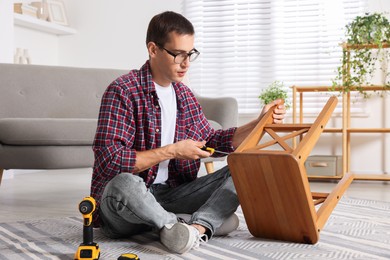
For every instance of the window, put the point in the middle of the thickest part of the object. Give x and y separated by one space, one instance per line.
246 45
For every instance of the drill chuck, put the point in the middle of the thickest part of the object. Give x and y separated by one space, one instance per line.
86 207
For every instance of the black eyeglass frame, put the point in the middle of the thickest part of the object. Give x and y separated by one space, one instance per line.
188 54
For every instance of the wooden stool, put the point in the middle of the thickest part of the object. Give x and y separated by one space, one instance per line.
273 187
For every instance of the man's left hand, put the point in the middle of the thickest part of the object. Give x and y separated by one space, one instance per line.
279 111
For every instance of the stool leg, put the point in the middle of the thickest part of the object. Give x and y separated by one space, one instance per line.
1 174
209 167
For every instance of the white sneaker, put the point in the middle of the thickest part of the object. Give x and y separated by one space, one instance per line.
180 237
229 225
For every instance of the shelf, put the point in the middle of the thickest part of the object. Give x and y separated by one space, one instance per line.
357 177
40 25
372 177
358 130
292 127
333 130
369 130
314 178
338 88
347 46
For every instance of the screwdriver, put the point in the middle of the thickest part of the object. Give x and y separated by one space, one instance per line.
212 150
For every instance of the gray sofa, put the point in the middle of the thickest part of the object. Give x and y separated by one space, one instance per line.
48 115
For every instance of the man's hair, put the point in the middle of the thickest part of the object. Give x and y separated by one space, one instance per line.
162 24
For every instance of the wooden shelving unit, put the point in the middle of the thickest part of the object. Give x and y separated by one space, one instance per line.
345 130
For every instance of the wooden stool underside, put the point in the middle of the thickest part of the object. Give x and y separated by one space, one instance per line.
273 187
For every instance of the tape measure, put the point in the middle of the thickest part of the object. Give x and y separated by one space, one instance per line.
128 256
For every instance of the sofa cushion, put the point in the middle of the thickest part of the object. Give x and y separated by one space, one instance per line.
47 131
214 124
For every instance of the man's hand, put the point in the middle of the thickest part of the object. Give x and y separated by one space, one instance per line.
185 149
189 150
278 113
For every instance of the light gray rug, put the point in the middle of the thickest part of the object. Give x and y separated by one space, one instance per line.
357 229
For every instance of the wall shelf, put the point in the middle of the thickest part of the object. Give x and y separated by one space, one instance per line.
40 25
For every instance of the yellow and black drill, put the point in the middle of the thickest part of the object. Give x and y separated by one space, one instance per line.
88 249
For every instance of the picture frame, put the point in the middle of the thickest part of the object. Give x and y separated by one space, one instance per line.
57 12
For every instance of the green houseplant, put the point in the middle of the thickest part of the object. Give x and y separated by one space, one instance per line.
358 63
274 91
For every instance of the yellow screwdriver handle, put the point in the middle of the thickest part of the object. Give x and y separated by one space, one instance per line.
208 149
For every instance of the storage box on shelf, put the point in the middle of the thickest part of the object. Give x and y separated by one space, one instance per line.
324 165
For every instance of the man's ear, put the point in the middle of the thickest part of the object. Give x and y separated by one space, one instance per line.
152 49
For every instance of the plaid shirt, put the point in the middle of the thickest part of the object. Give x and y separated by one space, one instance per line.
130 121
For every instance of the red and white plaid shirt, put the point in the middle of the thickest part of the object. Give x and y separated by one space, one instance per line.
130 121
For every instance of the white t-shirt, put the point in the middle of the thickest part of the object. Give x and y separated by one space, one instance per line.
168 106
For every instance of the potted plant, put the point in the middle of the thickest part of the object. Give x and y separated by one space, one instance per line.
358 66
274 91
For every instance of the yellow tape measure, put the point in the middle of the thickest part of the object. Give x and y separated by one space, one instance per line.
128 256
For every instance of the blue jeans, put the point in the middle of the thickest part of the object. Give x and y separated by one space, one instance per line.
128 207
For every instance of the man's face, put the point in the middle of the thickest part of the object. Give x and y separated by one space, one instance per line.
164 68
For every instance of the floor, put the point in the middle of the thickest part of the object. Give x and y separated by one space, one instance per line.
57 193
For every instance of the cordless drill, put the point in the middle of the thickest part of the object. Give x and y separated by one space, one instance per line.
88 249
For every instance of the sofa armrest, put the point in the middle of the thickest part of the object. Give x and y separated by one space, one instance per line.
223 110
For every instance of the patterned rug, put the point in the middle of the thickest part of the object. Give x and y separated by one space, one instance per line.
357 229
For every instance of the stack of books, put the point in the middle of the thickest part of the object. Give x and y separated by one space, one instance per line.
25 9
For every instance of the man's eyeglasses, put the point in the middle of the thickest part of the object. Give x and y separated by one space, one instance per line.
182 56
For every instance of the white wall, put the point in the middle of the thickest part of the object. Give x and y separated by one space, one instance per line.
111 33
6 28
379 6
43 48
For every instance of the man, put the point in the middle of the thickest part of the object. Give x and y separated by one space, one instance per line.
148 148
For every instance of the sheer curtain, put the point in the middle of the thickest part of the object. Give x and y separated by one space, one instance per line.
247 44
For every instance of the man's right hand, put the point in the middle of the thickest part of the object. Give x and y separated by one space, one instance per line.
185 149
189 150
